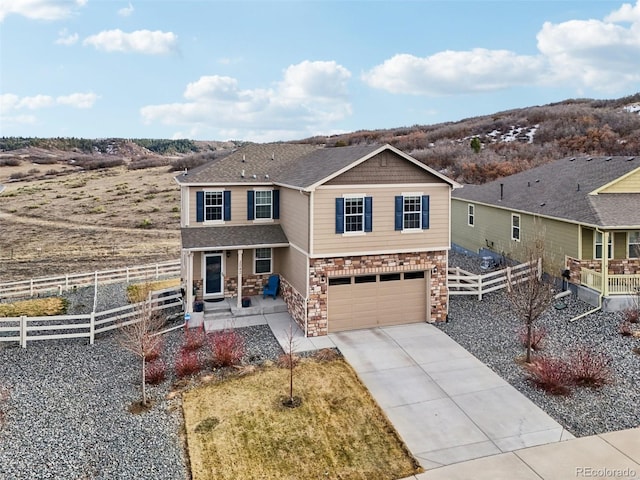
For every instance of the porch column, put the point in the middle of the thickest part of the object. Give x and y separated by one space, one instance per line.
240 278
605 263
189 283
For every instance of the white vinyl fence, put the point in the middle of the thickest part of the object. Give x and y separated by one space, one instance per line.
29 329
461 282
57 285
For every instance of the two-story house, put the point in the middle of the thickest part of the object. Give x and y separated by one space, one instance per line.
359 236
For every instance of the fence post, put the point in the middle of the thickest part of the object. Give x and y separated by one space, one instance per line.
479 287
508 279
23 331
31 288
92 328
127 275
157 272
66 282
540 268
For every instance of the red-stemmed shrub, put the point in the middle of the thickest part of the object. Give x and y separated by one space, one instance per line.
588 368
227 347
550 374
538 334
155 372
194 339
631 315
187 363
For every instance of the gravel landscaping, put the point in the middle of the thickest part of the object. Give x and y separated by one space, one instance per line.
488 330
67 413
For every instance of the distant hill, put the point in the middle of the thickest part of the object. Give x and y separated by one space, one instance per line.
507 142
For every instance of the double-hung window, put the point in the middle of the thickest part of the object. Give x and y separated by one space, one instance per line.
213 205
354 214
262 260
599 245
263 204
515 227
412 212
471 214
634 244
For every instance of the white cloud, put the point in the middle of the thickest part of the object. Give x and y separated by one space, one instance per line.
311 97
126 11
40 9
66 38
10 102
603 55
453 72
140 41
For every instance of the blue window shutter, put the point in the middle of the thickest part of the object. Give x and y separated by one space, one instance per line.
398 211
276 204
199 206
250 204
227 205
368 214
425 212
339 215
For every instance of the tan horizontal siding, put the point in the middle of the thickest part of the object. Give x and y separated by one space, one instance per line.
238 206
294 217
383 237
294 266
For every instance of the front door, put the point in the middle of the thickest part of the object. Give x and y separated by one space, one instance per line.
213 274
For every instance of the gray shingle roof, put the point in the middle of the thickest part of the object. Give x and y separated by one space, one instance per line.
561 189
237 236
255 159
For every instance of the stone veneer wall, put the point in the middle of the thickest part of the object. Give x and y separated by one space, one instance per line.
251 285
617 266
323 268
296 304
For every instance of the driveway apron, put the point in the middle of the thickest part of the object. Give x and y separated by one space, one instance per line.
446 404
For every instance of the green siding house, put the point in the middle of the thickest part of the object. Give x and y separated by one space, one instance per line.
585 209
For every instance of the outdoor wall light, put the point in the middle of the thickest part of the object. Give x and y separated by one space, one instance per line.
228 253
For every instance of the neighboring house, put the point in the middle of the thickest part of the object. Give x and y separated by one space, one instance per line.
358 235
585 209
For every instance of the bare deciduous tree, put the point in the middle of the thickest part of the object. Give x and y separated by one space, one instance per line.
530 297
141 338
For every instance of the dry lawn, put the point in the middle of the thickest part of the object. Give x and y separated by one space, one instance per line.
85 221
239 429
38 307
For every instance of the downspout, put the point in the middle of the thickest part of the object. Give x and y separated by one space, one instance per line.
310 247
605 276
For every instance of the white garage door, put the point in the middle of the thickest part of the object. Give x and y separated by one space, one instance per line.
367 301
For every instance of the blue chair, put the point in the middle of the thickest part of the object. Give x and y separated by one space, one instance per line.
271 288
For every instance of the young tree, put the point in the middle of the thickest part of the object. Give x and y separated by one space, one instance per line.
476 145
289 359
531 296
140 336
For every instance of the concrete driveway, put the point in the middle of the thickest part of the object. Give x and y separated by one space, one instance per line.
446 405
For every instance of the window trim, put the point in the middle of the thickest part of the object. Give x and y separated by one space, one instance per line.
515 227
418 212
346 198
471 215
255 205
601 244
256 259
633 252
205 207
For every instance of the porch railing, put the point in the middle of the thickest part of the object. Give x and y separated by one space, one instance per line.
616 284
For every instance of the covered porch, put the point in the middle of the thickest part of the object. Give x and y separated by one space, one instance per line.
228 263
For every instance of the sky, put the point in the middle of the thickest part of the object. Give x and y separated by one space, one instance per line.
270 70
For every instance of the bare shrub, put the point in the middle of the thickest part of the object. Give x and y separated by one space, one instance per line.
193 339
148 162
156 372
588 368
10 162
187 363
227 347
550 374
